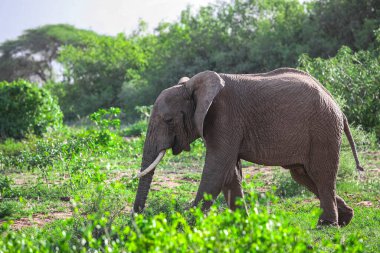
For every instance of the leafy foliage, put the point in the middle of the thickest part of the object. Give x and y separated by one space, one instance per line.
25 108
106 120
260 231
250 36
346 22
5 184
97 71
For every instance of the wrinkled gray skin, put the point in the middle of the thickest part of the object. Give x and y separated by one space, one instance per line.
283 118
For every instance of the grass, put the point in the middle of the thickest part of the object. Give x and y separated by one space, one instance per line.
74 172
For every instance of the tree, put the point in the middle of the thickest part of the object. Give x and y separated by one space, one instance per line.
245 36
242 36
345 22
32 55
96 72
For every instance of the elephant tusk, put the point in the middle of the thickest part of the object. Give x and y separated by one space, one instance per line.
153 165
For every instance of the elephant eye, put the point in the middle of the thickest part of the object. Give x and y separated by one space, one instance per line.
168 121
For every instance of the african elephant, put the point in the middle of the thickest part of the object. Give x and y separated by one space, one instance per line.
281 118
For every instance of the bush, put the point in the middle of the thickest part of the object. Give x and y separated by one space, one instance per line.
6 209
26 109
193 231
106 120
5 185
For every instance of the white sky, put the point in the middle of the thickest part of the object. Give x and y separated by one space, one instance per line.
102 16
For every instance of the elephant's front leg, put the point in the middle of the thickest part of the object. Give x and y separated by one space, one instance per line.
217 167
232 188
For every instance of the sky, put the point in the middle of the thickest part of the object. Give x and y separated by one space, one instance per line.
102 16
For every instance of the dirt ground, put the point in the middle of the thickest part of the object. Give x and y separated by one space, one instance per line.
38 220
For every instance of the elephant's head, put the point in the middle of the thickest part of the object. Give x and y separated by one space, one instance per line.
176 121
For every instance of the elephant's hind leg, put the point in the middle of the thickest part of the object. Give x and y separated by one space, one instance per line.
232 188
345 213
299 175
322 170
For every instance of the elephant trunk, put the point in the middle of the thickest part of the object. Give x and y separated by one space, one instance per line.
144 186
149 162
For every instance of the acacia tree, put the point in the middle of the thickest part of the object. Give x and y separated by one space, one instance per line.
32 55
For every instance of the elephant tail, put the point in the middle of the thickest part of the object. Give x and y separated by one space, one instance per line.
352 144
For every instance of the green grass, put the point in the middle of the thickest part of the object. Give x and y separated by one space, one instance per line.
76 172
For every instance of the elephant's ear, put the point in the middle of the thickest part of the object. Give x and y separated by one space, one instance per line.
203 87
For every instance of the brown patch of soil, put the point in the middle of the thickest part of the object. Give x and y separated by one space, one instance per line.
252 171
266 176
65 199
309 200
164 182
119 176
261 189
22 179
38 220
186 179
27 179
129 138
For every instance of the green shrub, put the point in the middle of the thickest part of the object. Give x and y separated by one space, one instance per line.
105 230
11 147
6 209
26 109
106 120
5 185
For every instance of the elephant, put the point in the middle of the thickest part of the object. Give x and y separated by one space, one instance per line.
280 118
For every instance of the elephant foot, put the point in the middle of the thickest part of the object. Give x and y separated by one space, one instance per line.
345 216
324 223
